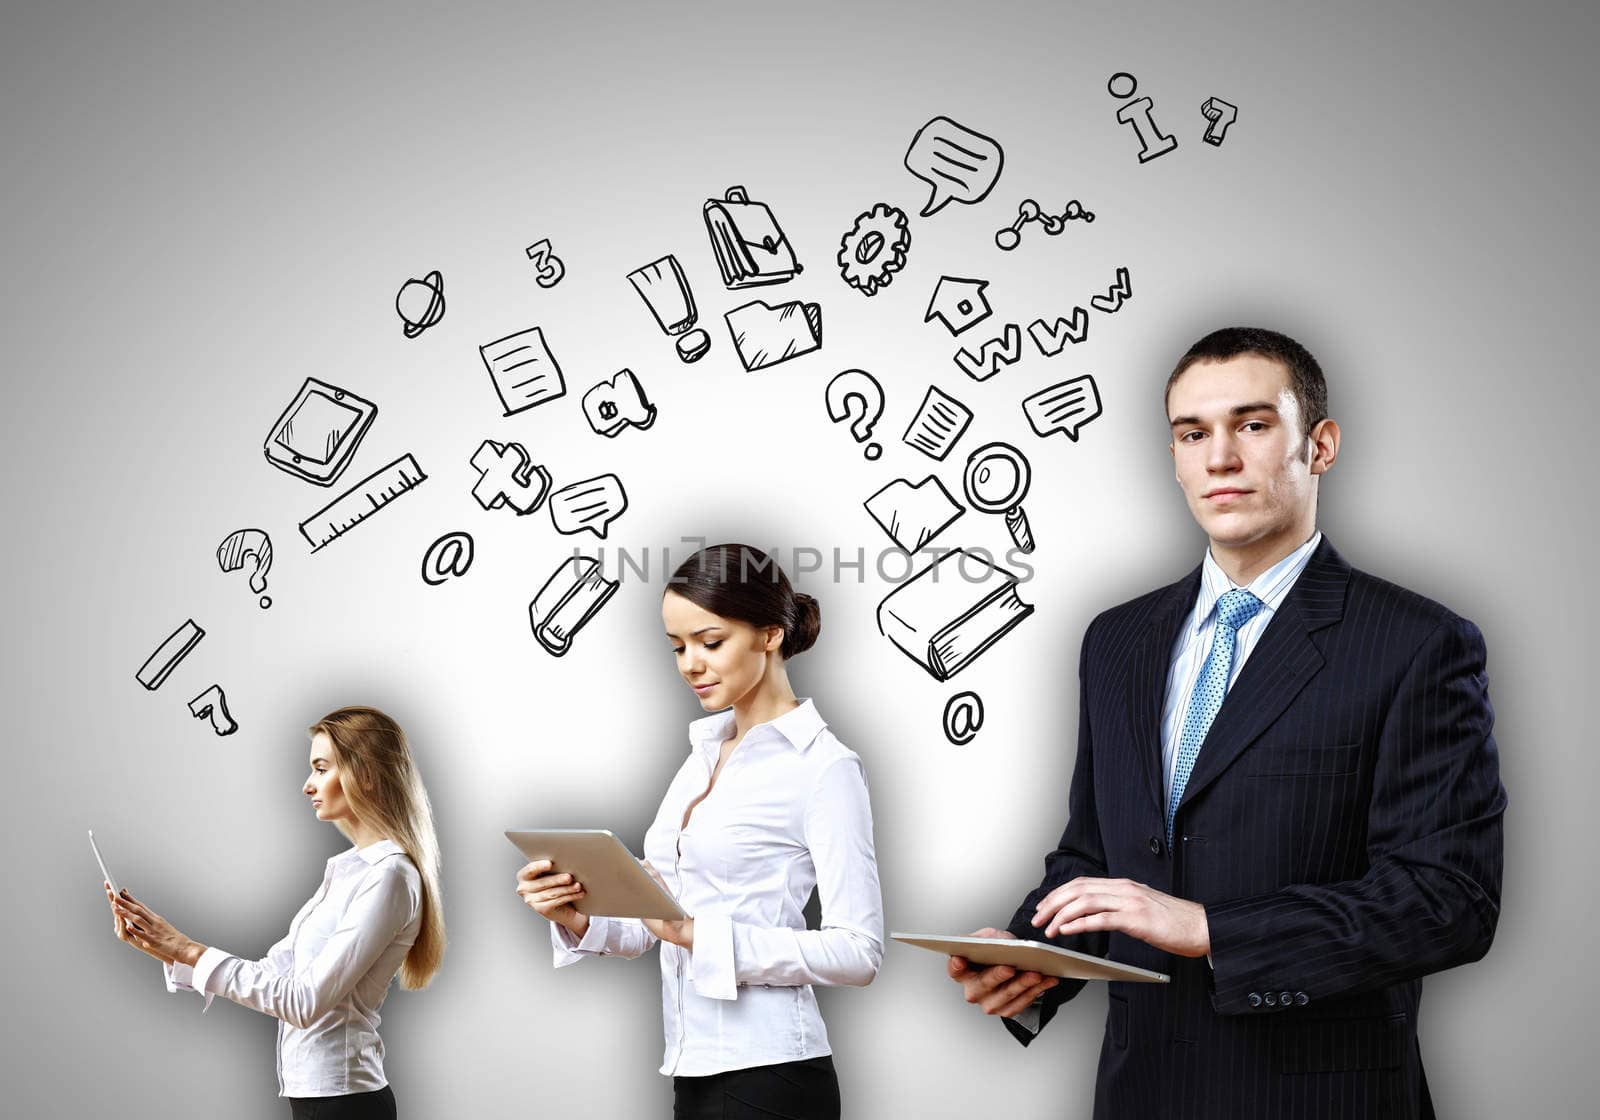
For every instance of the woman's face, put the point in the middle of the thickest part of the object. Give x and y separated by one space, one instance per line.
722 659
327 795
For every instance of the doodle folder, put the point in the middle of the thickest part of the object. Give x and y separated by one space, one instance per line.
947 614
750 247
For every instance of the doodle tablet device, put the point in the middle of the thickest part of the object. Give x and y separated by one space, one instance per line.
318 433
1034 956
615 885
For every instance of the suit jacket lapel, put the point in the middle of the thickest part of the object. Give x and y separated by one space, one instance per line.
1147 685
1282 662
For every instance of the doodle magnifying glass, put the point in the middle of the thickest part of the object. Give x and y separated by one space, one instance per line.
996 481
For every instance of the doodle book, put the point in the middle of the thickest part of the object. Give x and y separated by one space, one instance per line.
947 614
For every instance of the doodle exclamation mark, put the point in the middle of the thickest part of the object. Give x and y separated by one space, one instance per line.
1138 113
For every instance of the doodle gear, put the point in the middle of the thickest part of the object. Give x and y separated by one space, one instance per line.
875 248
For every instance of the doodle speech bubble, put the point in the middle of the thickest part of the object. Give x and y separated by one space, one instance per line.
955 161
1064 408
592 504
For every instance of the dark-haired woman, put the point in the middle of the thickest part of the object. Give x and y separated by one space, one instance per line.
376 913
767 806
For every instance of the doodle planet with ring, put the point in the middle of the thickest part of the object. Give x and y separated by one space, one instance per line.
420 303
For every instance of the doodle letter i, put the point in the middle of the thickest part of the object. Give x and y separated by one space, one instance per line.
1152 141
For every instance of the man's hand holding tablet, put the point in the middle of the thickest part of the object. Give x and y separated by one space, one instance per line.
998 989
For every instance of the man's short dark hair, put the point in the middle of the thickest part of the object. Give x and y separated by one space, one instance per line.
1305 375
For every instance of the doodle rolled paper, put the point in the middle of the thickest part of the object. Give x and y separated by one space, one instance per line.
765 335
567 601
523 370
950 612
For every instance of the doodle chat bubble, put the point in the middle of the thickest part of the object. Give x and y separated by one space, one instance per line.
955 161
592 504
1064 408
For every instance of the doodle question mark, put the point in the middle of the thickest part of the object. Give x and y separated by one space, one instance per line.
853 390
242 543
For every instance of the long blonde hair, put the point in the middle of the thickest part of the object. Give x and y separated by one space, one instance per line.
381 782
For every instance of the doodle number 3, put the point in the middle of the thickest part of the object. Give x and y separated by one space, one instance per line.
551 270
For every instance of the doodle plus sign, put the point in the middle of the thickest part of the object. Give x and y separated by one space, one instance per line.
508 477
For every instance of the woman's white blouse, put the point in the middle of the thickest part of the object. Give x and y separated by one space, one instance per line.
789 812
326 979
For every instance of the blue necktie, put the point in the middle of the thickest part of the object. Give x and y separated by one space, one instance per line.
1234 609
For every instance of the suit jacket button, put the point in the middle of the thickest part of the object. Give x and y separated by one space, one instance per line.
1301 998
1255 999
1155 845
1272 999
1286 998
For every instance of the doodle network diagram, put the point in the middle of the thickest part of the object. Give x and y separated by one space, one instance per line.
943 616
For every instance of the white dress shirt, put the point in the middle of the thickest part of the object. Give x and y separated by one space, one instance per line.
1193 644
789 812
326 979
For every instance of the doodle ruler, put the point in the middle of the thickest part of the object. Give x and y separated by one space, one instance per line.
361 501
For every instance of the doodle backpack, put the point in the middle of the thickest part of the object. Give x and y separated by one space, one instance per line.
751 249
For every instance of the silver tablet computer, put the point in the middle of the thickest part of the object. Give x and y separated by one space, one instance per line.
1033 956
615 885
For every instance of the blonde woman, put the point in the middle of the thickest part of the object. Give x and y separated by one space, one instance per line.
375 913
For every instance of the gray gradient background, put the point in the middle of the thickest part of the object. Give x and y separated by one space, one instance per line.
206 204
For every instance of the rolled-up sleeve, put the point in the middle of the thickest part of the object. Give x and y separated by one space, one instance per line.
848 949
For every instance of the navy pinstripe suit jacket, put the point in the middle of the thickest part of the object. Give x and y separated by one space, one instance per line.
1342 827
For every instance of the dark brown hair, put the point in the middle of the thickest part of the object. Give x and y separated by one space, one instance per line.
1305 375
740 581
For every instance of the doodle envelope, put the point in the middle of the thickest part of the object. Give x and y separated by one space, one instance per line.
943 617
766 335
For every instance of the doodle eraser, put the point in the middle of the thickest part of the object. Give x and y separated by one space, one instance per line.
167 656
693 346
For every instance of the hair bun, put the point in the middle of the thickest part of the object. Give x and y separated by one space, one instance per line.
807 625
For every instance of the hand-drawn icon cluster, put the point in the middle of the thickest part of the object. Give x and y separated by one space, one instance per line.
950 611
943 624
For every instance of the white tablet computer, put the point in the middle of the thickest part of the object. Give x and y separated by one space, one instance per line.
615 885
1033 956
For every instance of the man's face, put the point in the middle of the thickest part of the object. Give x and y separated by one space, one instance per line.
1246 467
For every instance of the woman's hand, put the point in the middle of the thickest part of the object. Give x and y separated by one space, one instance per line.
552 894
679 932
149 932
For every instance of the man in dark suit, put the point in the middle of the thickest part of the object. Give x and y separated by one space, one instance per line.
1286 795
